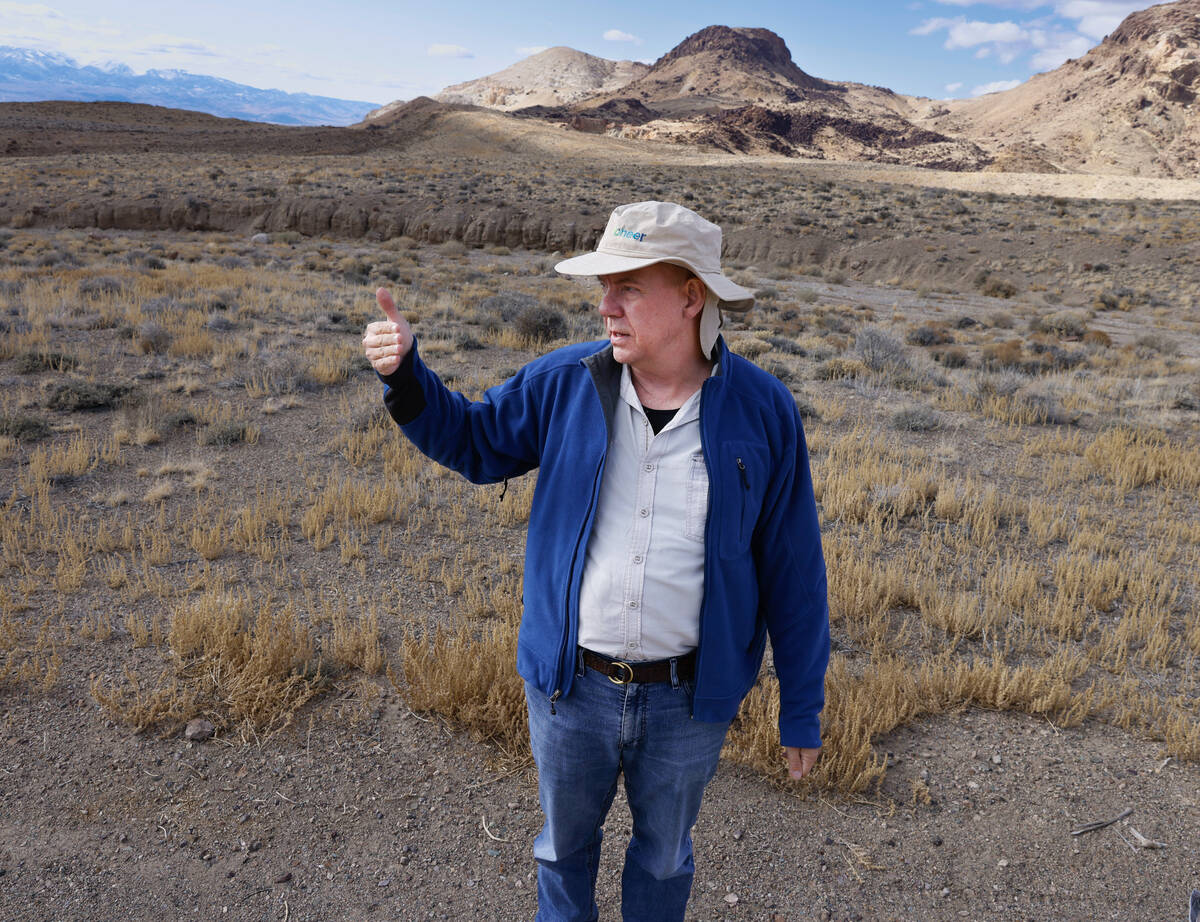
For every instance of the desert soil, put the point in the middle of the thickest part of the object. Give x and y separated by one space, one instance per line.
403 818
386 814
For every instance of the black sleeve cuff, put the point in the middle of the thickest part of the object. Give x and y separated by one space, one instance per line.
404 398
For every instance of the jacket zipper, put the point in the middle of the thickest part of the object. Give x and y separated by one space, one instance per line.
575 564
707 452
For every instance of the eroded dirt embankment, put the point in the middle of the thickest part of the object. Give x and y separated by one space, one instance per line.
1074 263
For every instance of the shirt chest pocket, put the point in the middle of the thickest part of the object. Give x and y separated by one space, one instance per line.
696 500
743 478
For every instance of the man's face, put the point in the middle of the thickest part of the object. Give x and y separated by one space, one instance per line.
646 315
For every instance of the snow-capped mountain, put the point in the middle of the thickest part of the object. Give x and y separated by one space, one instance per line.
27 75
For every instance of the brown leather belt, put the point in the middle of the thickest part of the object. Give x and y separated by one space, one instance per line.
623 673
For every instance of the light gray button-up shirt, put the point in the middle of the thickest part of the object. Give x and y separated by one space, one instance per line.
643 581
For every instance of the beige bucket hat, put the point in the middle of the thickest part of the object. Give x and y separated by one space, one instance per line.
645 233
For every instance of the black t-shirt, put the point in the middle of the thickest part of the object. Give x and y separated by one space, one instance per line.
659 418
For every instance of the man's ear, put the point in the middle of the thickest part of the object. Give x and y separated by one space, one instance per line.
696 293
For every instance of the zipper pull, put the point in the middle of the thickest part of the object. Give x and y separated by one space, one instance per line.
742 471
557 694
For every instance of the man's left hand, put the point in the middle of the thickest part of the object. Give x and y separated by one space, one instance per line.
800 761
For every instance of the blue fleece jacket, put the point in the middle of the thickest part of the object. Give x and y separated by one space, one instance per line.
764 573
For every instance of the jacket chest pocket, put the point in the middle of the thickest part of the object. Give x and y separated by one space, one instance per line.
696 502
744 472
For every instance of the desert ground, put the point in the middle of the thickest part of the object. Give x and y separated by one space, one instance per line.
207 514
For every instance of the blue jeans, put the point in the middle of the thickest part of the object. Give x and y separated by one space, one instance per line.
598 732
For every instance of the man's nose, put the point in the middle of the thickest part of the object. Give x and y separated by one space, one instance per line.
608 304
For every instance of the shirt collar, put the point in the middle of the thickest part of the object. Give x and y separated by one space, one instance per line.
687 413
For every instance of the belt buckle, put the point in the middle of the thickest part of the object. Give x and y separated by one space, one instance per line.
620 679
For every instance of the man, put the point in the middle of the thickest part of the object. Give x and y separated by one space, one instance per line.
673 527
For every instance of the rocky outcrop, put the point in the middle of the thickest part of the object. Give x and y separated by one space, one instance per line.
554 77
1125 107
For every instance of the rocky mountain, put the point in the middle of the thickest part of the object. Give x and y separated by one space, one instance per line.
554 77
30 76
1127 106
738 89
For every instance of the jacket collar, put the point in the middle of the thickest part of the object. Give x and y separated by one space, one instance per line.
606 375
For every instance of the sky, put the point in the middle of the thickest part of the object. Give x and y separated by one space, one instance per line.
382 50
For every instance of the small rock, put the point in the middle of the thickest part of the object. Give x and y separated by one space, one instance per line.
996 759
199 730
1002 863
283 878
261 238
731 898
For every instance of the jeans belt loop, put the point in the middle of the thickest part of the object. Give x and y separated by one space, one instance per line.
674 661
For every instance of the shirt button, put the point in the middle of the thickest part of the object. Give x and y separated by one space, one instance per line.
643 512
632 645
637 558
633 603
649 468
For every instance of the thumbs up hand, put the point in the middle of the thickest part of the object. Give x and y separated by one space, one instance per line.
386 342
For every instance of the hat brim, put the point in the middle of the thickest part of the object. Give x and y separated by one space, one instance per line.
733 296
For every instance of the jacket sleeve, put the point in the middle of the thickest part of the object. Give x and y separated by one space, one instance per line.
486 440
792 592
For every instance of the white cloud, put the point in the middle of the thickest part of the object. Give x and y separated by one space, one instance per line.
972 34
532 49
996 86
1059 50
1068 30
438 50
1003 4
954 87
616 35
1096 18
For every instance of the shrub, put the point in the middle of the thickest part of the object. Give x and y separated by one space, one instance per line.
1062 323
1157 343
917 418
779 370
1004 384
786 345
540 323
1003 355
838 369
951 357
468 343
928 335
23 427
993 287
879 350
100 286
86 395
226 432
152 337
29 363
219 323
1047 407
507 305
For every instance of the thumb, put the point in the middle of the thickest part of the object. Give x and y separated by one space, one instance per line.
384 297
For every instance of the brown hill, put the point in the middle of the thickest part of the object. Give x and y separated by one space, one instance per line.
554 77
41 128
738 90
719 68
1125 107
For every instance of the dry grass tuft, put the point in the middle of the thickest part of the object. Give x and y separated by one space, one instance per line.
466 673
239 666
